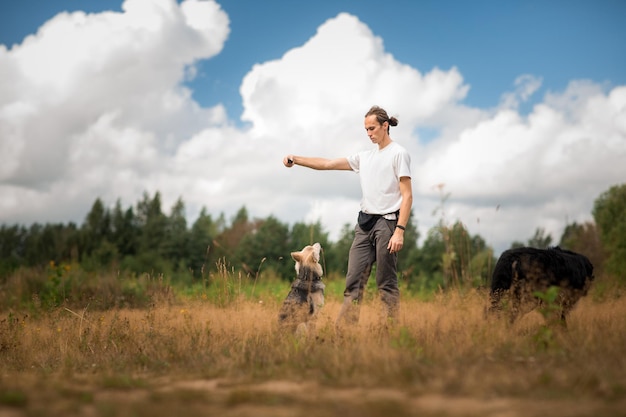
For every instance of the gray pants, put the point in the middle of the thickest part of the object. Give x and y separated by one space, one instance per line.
369 248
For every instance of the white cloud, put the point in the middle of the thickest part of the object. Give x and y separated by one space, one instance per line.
526 85
333 79
544 169
93 105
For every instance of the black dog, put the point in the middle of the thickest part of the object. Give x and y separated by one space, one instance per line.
522 272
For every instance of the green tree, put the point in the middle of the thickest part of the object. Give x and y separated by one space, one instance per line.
303 234
50 242
459 261
431 254
266 246
584 238
32 246
202 233
337 255
11 248
609 213
177 237
226 242
539 240
124 230
451 256
152 228
409 256
67 238
428 264
95 232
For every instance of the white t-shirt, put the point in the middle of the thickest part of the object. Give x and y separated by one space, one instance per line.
380 172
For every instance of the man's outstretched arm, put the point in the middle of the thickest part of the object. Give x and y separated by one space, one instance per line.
317 163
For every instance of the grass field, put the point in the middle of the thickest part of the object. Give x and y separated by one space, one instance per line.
194 357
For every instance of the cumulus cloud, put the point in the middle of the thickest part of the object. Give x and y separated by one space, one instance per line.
525 86
541 170
94 105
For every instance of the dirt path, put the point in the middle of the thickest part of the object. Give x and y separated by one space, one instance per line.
290 399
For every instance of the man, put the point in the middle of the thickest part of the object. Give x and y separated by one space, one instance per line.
385 177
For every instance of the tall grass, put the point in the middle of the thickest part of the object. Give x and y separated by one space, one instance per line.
226 330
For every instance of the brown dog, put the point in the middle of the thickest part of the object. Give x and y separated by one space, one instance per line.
303 303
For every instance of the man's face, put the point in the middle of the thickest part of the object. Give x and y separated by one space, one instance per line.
375 131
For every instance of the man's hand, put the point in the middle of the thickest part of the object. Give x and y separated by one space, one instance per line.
288 161
396 242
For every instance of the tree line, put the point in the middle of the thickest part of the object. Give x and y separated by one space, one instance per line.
144 239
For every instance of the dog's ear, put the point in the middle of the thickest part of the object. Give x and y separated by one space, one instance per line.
316 251
296 256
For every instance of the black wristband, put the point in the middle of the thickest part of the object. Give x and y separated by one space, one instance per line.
400 227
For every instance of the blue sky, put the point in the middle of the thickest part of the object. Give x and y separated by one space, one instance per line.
490 41
516 105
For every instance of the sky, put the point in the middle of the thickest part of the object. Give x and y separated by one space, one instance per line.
514 113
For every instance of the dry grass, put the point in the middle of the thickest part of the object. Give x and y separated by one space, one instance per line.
441 358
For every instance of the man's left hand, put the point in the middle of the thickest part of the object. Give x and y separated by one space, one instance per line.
396 242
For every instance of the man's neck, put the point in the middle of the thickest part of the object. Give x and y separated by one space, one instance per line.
384 143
